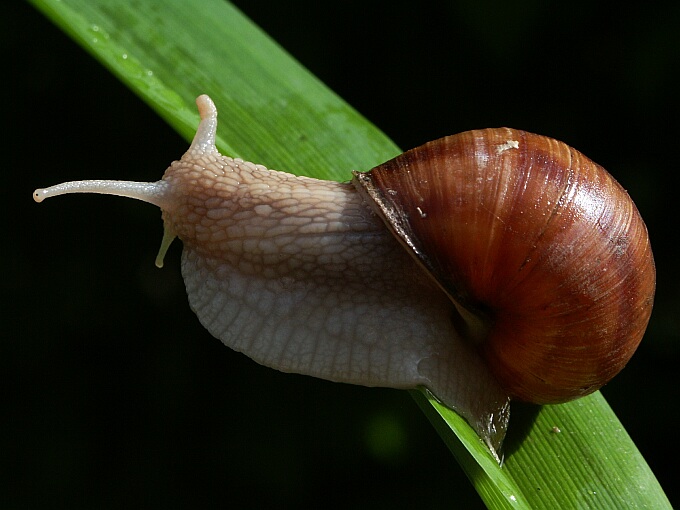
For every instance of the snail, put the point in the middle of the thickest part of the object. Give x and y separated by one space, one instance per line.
486 266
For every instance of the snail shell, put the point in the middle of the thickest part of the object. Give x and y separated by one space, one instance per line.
527 271
538 242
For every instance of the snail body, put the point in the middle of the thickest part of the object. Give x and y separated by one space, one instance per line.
511 267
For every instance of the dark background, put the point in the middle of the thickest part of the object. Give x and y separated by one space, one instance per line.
113 395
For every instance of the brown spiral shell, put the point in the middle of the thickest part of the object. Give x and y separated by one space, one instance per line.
536 240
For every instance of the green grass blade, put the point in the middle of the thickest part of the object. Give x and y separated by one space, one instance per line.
495 485
574 455
273 111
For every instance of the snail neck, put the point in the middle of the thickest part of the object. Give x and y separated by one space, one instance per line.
261 221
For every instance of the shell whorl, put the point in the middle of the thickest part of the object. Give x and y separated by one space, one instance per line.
535 239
